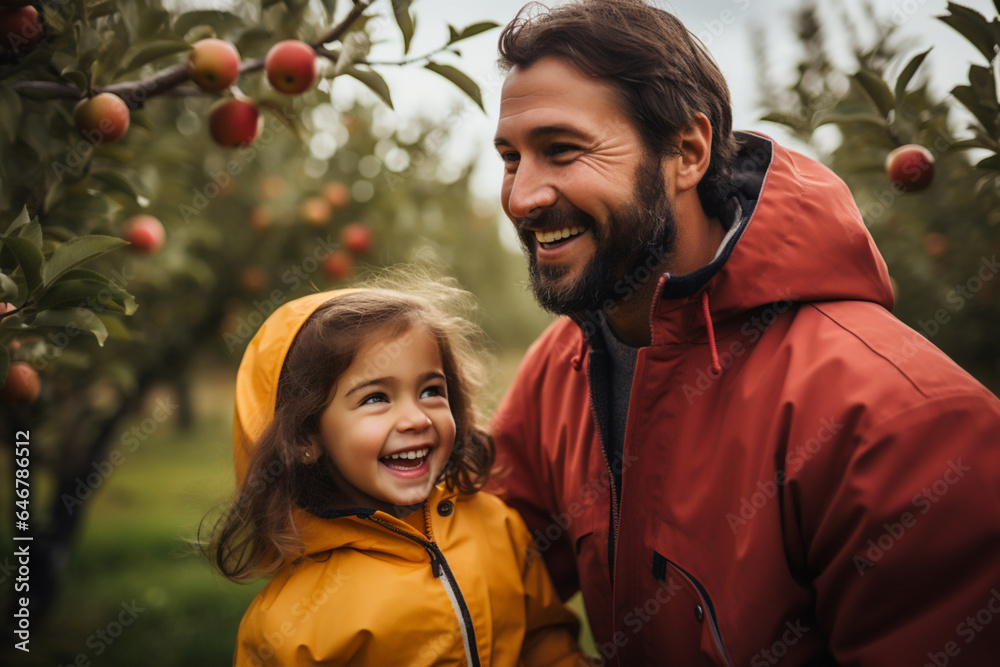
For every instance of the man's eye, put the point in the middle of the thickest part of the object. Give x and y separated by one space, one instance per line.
558 149
510 156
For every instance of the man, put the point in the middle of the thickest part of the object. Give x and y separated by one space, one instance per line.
730 444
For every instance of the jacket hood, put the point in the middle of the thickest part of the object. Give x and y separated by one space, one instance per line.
800 238
257 377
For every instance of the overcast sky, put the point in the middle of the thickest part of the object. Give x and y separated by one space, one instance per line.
724 25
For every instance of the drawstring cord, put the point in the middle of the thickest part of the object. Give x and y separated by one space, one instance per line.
716 366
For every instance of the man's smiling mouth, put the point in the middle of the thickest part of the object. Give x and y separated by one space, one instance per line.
555 237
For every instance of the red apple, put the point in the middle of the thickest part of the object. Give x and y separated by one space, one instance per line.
145 233
338 194
910 167
214 64
102 118
234 122
272 186
935 244
22 386
259 219
338 265
357 238
315 211
291 66
20 28
253 279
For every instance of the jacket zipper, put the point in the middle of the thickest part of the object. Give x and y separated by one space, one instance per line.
441 570
709 610
613 537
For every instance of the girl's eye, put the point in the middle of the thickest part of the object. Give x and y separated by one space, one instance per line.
510 156
375 398
432 391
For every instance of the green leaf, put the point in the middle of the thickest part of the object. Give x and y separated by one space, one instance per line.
117 329
77 78
460 79
373 80
151 21
470 31
973 26
4 364
142 53
79 287
907 74
20 221
984 85
33 232
27 257
71 293
330 6
222 22
401 9
10 102
8 288
72 320
123 181
78 251
992 162
967 96
877 90
87 39
846 118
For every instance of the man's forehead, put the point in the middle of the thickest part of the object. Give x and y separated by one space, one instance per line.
554 92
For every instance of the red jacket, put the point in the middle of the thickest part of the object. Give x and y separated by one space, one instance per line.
831 495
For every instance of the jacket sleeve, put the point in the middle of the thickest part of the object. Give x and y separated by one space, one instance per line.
905 545
523 478
551 628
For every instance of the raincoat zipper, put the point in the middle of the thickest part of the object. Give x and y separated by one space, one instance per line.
441 570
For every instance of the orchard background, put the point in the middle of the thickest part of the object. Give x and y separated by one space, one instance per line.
136 270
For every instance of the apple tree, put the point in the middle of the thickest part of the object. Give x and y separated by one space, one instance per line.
166 180
924 171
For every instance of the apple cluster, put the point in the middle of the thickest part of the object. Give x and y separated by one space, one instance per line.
214 66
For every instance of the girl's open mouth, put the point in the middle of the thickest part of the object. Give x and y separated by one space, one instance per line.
408 463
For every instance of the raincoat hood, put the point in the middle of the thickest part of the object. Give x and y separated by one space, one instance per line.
814 247
257 377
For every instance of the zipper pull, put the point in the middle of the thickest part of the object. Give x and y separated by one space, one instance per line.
436 566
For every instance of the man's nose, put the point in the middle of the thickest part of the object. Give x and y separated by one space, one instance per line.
530 192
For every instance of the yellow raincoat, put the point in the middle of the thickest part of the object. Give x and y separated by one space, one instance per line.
374 591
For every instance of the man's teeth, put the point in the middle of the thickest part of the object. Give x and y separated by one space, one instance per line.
412 454
558 234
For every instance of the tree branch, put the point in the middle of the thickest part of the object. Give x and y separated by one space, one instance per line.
135 93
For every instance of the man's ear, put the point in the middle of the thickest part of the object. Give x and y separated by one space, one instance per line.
695 144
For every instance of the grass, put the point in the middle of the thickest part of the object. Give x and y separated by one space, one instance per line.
135 553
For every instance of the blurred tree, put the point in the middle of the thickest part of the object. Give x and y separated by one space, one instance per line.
246 229
940 243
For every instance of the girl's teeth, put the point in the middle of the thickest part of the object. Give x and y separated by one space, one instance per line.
558 234
413 454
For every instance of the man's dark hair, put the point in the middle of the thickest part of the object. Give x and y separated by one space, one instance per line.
663 73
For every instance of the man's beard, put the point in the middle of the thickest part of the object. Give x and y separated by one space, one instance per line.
628 248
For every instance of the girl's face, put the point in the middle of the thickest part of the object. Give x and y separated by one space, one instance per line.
388 428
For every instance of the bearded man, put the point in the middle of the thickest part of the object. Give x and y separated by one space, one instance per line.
728 442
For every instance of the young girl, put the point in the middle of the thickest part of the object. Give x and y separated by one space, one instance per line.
359 461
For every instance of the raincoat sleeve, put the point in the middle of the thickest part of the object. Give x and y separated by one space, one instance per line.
906 545
525 479
552 629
